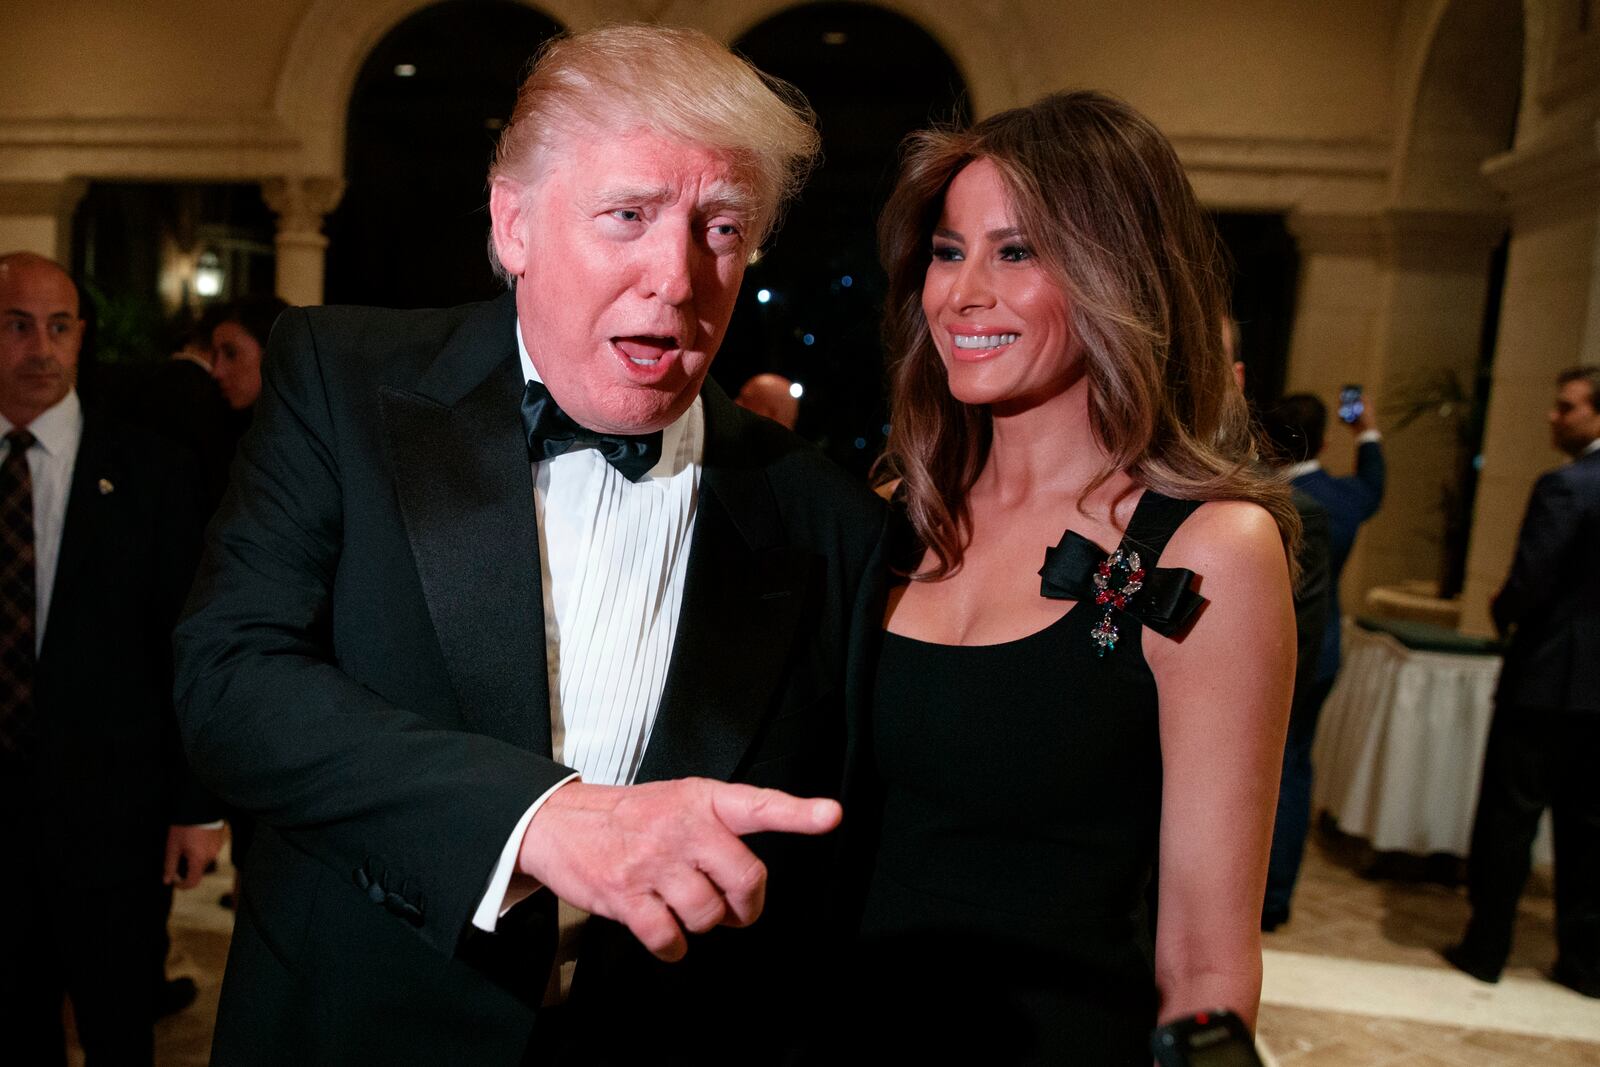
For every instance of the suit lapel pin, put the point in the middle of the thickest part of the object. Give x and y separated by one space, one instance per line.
106 487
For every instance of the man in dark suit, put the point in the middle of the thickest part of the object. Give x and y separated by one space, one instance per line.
1546 727
491 582
100 528
1296 428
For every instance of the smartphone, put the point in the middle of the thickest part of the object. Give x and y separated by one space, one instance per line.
1207 1039
1350 404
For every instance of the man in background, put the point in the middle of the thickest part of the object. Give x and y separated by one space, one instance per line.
1296 429
99 526
771 396
1546 729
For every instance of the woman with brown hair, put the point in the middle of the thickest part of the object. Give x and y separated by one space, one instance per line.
1048 753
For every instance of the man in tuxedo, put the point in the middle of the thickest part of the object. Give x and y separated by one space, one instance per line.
1296 429
512 624
100 528
1546 727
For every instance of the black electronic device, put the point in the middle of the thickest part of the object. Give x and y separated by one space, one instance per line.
1350 404
1206 1039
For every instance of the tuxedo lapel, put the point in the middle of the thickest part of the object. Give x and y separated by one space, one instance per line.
743 597
465 491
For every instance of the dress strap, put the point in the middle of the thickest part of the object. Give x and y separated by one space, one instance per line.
1127 582
1154 521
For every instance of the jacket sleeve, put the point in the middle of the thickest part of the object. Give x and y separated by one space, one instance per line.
177 551
411 811
1548 535
1369 478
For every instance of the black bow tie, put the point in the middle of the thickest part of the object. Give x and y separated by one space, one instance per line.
551 433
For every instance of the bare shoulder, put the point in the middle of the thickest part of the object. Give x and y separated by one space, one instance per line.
1237 658
1227 542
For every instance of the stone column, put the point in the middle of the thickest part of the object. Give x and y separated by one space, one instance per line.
1549 319
301 204
37 216
1392 300
1339 304
1434 288
1338 318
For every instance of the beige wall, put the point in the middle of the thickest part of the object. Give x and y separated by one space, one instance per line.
1369 121
1251 68
153 58
1302 71
1550 183
1550 298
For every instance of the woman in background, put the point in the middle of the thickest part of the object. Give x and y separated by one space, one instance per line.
238 340
1047 754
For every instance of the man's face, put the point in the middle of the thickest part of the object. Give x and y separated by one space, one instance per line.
40 333
629 252
1573 419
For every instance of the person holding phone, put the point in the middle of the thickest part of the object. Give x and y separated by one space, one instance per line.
1296 428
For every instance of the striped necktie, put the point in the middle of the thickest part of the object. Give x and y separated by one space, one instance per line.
17 603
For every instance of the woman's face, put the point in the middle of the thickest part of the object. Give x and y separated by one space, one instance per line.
1000 322
236 364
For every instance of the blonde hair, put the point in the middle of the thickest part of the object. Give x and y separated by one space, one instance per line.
679 83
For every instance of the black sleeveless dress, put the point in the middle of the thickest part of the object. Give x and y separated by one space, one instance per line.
1006 917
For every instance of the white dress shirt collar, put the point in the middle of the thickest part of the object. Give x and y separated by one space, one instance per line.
58 429
1591 447
1296 470
680 448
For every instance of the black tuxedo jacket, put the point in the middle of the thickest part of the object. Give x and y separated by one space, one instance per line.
363 666
1550 604
108 776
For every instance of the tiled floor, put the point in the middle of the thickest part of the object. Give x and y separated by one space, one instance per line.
1297 1037
1386 999
1397 909
1354 980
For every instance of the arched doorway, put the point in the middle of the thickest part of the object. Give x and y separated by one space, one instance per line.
873 76
426 109
1448 238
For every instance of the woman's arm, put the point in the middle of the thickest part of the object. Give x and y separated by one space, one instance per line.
1225 690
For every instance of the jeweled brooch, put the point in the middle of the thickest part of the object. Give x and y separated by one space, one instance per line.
1118 577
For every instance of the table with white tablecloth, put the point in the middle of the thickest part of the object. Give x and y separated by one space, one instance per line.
1399 748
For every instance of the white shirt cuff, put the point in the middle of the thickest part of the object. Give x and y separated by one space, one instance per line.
498 898
1368 435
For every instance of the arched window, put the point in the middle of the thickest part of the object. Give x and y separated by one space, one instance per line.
412 228
872 76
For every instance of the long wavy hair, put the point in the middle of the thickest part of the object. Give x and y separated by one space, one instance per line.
1106 206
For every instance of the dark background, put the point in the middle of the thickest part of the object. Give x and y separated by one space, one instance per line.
412 227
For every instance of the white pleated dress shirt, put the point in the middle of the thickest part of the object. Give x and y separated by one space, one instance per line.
613 557
51 460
